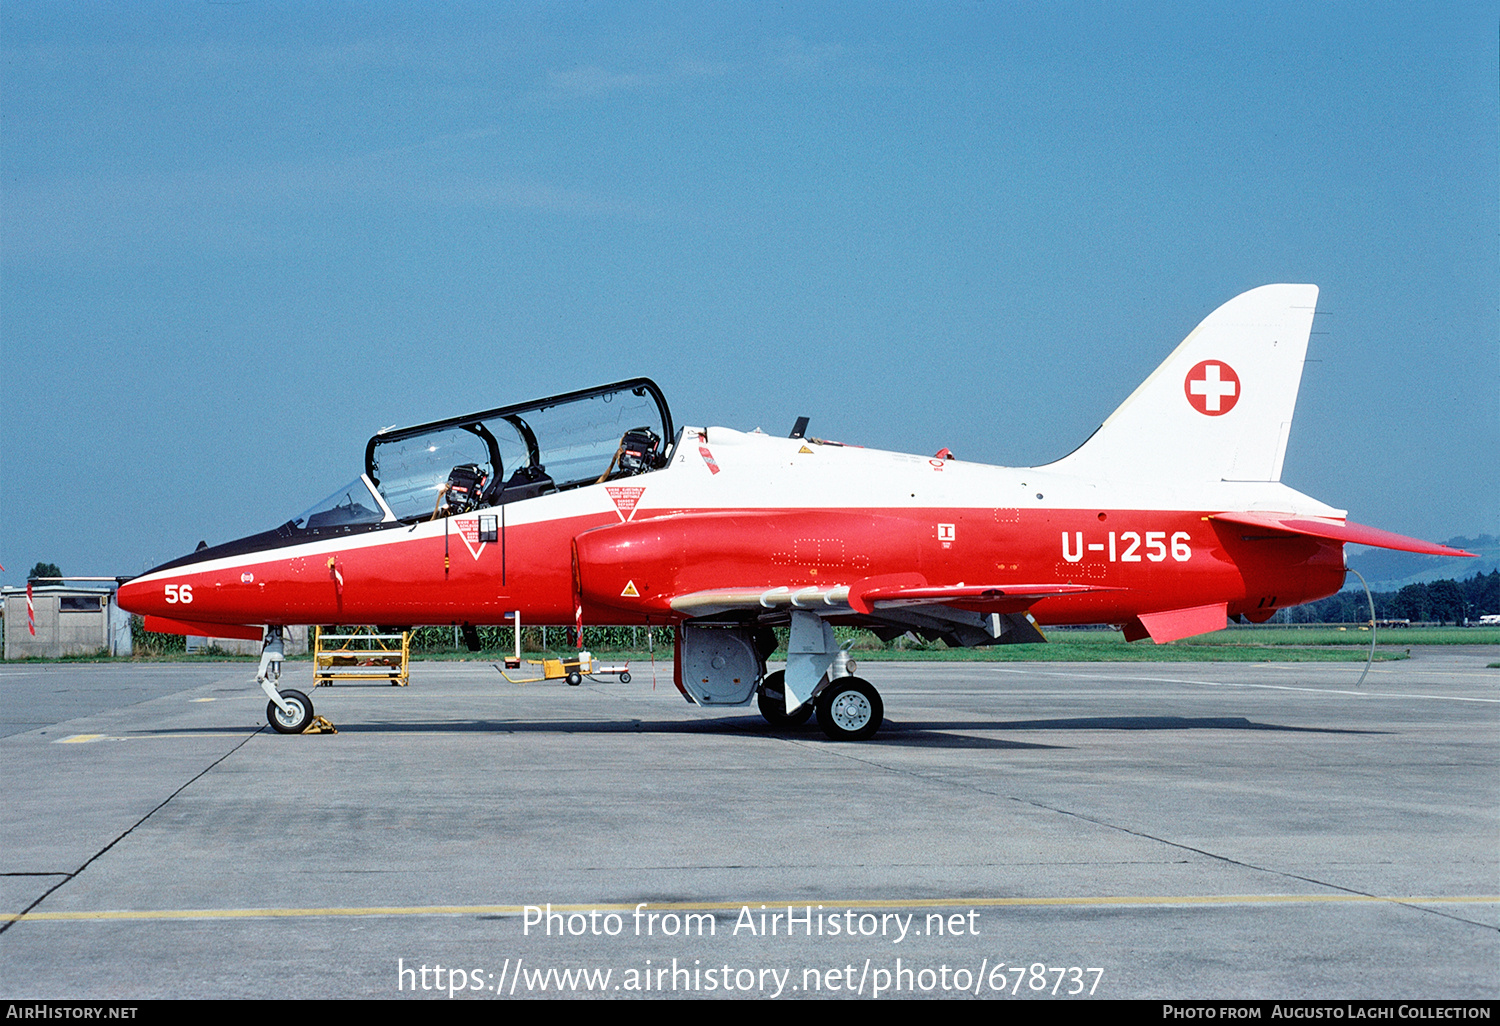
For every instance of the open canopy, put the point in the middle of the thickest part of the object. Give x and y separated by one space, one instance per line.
517 452
483 459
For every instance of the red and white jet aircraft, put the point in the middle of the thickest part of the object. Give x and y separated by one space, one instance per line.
590 508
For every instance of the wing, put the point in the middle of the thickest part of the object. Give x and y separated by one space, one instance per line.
962 614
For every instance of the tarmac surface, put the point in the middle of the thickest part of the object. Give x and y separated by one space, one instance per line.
1026 830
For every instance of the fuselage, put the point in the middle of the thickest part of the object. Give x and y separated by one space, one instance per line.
754 511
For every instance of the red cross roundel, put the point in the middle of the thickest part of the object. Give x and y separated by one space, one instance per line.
1212 388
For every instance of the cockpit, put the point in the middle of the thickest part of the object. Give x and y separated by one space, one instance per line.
492 458
501 456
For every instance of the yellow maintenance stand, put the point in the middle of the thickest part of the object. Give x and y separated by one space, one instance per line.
362 655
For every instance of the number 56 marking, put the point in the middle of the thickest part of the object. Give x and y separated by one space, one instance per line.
179 593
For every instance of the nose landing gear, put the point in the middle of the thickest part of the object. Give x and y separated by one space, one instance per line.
293 715
288 712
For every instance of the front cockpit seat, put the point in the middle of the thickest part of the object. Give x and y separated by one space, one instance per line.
463 491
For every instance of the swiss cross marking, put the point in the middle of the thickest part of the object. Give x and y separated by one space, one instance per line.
1212 387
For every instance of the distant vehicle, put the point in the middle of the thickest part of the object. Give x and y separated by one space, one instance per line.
1167 521
1490 620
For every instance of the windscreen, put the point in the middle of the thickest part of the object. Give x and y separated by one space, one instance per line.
351 504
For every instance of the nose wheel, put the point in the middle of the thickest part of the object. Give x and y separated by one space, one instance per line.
295 717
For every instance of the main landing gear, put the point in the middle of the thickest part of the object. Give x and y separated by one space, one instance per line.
771 697
848 708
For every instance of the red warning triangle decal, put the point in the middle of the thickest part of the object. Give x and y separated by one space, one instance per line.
625 498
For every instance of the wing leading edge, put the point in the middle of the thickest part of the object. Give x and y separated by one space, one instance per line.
964 615
871 598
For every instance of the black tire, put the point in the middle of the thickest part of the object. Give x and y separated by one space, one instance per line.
575 679
849 709
771 697
302 713
624 676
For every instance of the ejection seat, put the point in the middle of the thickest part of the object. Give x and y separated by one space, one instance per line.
526 483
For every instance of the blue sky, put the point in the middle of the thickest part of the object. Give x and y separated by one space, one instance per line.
237 238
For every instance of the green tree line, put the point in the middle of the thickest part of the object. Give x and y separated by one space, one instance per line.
1445 601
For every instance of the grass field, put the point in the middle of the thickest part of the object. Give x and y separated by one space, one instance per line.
1317 643
1325 634
1310 643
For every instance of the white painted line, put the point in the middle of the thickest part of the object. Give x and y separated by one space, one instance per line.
898 903
1224 684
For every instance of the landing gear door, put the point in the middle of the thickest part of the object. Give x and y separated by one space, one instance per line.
720 665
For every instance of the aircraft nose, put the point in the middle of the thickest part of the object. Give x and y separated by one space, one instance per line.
141 598
127 596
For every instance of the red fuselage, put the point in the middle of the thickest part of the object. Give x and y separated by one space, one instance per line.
628 572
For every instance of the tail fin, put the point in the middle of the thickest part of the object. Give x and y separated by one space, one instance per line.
1220 407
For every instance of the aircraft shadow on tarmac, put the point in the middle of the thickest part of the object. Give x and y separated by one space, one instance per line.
912 734
892 733
1154 723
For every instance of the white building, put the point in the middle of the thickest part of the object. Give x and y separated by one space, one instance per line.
68 620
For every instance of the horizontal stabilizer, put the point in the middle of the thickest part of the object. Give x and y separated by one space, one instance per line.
1339 531
163 625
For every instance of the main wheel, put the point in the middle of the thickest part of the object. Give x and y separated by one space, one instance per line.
575 679
771 697
849 709
295 722
624 676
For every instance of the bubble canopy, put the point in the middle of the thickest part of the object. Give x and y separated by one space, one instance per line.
492 458
521 451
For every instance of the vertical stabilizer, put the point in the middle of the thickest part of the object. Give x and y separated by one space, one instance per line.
1220 407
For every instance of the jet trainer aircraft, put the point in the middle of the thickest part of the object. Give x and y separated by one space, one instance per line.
590 507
